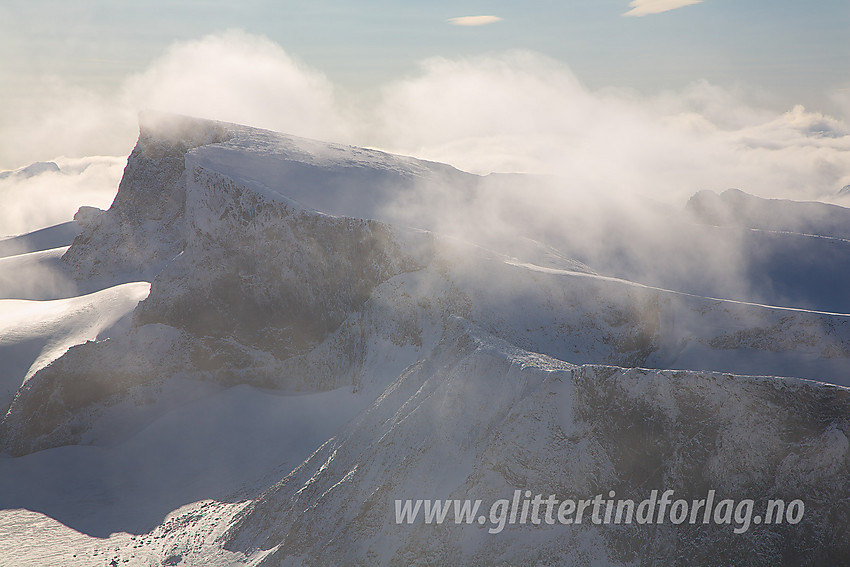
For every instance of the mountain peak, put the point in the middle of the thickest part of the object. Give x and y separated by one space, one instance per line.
31 170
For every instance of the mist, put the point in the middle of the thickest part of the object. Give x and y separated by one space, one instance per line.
505 112
617 167
32 202
524 112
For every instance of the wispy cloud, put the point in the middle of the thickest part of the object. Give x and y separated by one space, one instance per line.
646 7
536 116
474 20
508 112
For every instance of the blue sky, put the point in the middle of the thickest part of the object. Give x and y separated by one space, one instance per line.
792 51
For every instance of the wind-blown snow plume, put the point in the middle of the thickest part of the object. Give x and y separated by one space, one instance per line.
239 78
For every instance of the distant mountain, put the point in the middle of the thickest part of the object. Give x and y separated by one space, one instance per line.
456 363
736 208
31 170
796 253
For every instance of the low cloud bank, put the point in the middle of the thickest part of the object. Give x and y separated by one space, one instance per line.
610 154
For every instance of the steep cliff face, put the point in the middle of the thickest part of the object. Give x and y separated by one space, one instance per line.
144 227
247 260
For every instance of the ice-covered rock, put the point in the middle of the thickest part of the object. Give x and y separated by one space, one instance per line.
144 227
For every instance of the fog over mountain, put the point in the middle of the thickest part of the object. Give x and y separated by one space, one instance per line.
267 340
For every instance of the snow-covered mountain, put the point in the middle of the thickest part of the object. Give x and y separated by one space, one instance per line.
440 356
31 170
733 207
795 252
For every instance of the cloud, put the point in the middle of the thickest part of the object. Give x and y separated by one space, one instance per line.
231 76
70 120
620 166
513 111
52 197
474 20
646 7
521 111
242 78
611 151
